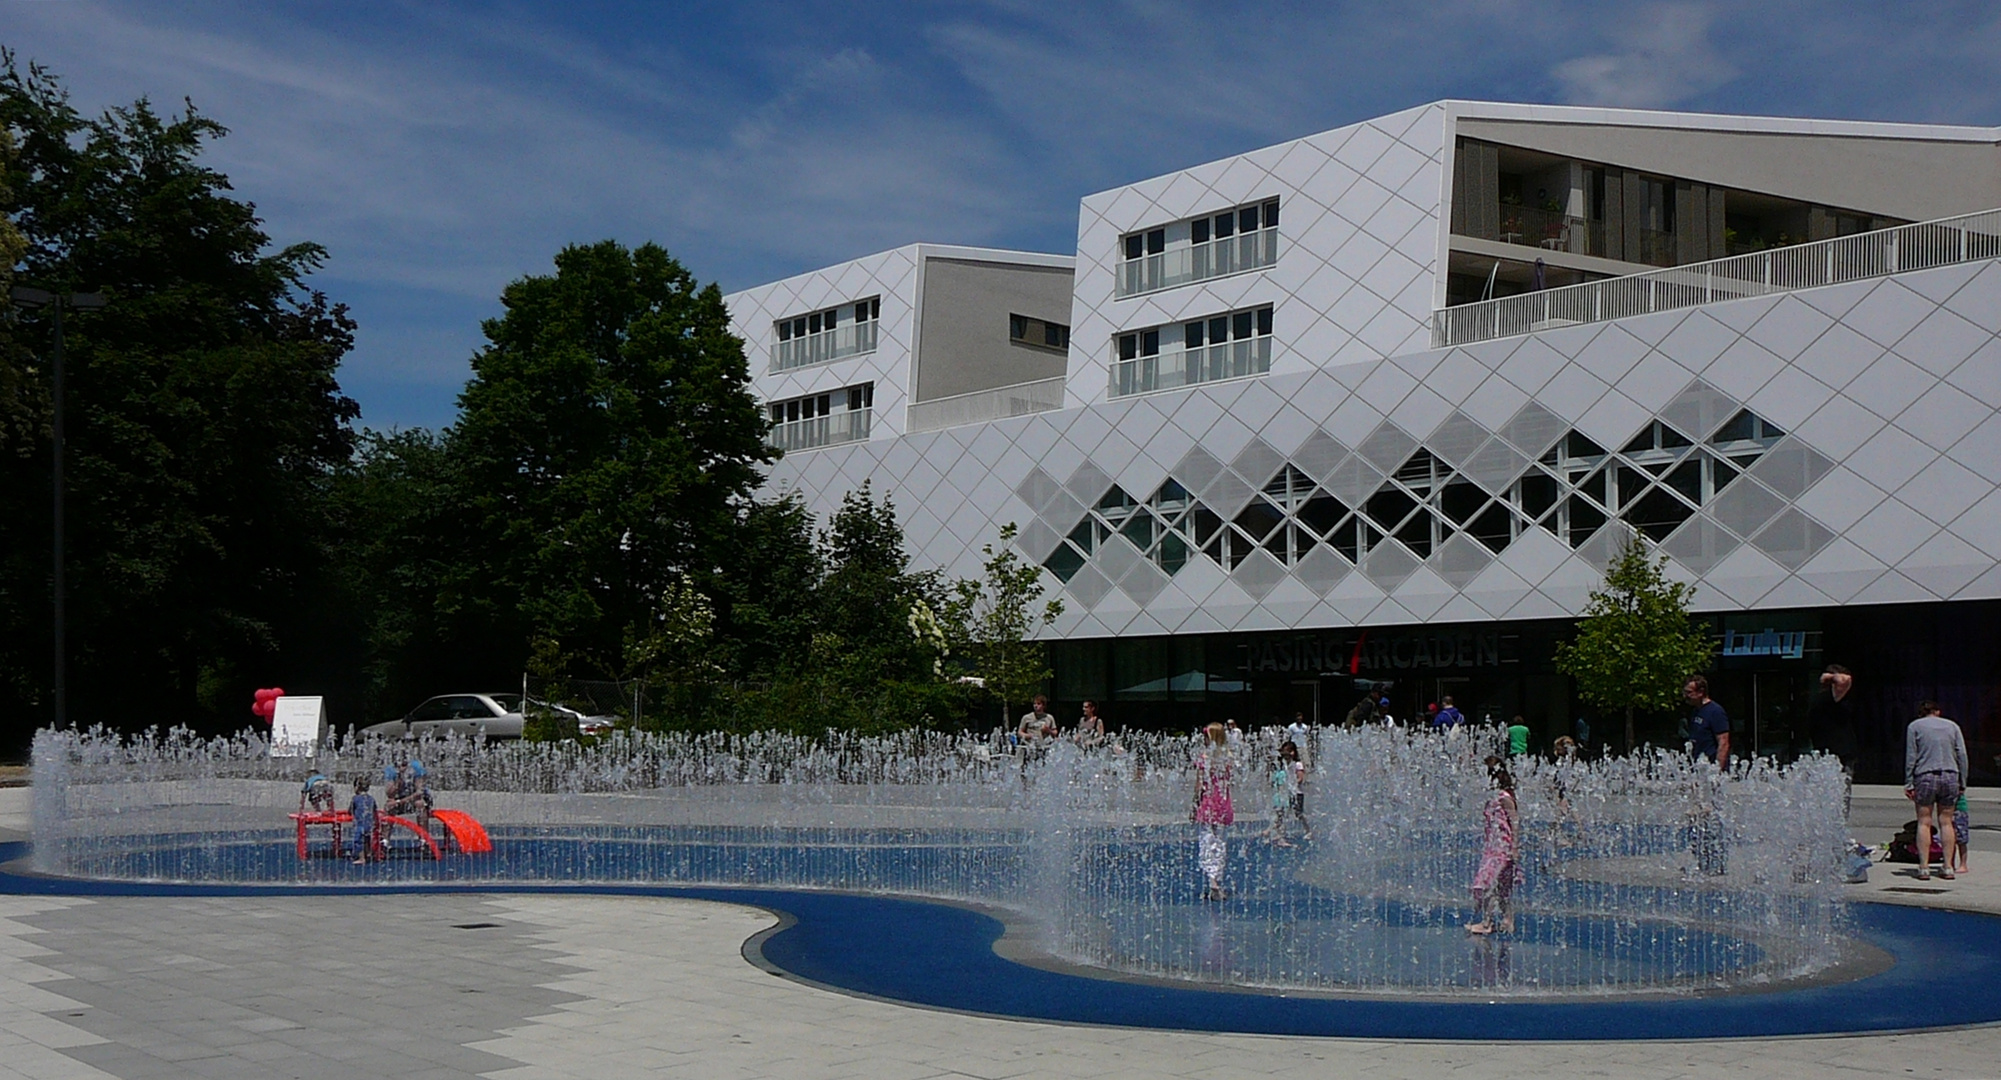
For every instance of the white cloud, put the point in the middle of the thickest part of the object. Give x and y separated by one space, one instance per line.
440 152
449 165
1664 57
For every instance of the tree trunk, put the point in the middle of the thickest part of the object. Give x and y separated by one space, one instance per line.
1629 729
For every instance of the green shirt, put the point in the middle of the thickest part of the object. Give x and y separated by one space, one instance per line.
1518 739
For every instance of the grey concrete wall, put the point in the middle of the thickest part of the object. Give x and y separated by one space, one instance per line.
962 326
1899 178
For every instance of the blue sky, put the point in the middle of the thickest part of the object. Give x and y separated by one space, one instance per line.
440 151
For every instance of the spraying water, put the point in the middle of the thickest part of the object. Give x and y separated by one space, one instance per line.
1642 874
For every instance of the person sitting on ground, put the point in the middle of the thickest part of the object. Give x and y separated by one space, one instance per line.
362 810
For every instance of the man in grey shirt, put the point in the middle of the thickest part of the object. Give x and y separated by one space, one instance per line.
1934 771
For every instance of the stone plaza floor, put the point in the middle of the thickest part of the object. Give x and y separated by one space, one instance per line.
418 987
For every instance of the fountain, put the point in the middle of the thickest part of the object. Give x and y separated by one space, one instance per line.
1644 875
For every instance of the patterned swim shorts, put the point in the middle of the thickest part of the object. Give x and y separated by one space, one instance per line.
1936 789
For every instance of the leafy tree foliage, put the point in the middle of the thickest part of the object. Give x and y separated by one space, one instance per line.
590 515
846 608
24 442
766 593
992 618
414 577
204 420
865 602
606 446
1636 645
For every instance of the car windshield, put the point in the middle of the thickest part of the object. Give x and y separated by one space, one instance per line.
510 702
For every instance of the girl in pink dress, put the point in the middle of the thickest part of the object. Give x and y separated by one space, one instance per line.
1213 811
1500 856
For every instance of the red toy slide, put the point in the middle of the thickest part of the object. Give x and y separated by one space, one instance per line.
467 833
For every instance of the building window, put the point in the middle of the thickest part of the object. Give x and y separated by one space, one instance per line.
1038 333
1654 483
820 336
1226 242
815 420
1228 346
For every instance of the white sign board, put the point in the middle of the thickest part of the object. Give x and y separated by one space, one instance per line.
296 726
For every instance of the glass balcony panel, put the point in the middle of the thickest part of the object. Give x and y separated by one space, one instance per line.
851 339
833 430
1178 367
1215 258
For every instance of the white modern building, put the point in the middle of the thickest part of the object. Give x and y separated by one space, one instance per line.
1379 403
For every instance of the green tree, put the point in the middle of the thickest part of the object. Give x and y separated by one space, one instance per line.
24 443
203 412
865 601
766 593
606 445
992 617
1636 644
427 617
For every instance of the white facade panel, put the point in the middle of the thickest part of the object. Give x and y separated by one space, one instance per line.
1872 478
893 276
1359 235
1851 505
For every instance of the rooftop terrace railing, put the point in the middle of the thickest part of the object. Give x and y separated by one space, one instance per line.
1922 246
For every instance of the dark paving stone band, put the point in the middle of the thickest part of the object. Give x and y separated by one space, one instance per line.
939 955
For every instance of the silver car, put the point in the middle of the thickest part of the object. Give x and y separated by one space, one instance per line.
497 716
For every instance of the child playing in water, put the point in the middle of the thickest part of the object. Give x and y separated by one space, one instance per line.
1500 856
362 810
318 795
1284 786
1213 810
1960 827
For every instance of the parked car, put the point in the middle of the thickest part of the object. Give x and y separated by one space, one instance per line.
497 716
586 723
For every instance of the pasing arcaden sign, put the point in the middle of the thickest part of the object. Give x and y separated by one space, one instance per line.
1356 652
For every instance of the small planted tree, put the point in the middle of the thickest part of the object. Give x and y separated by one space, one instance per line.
993 617
1635 645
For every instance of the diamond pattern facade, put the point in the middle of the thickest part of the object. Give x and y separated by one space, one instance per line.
1359 234
1827 446
1346 517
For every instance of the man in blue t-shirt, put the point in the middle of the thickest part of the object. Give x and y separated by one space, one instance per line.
1709 727
1448 716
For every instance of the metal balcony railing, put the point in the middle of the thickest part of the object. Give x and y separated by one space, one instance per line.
1187 367
1804 266
981 406
1253 250
852 339
830 430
